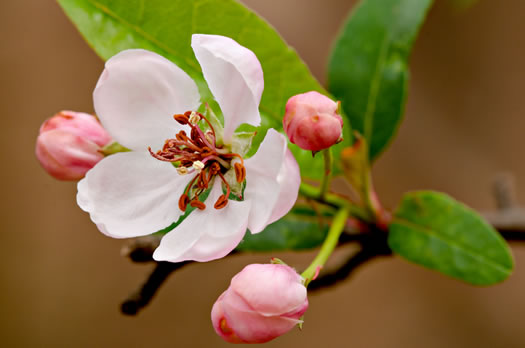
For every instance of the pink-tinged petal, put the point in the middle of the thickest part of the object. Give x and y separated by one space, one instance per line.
265 181
234 76
220 323
131 194
66 156
249 325
207 234
78 123
288 294
137 95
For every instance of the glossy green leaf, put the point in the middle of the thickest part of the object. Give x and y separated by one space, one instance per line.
299 229
435 231
166 26
368 70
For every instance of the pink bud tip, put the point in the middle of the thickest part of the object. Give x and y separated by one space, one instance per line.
68 144
311 121
263 302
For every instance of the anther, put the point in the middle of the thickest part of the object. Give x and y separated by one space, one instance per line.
215 168
181 136
182 119
221 202
183 201
240 172
198 165
182 170
202 182
210 137
194 118
198 204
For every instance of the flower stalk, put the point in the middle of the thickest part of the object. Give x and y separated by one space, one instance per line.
327 178
329 244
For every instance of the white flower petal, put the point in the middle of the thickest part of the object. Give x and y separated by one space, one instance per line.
131 194
137 95
234 76
206 234
289 180
267 174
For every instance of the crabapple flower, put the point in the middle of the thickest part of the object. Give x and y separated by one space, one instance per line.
262 303
69 144
183 159
312 122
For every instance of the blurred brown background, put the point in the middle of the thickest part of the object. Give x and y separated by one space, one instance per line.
62 281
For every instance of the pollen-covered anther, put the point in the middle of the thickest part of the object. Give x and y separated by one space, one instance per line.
221 202
182 170
198 204
240 172
198 165
182 119
183 202
194 118
210 137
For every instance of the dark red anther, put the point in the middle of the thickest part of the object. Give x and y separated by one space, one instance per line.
221 202
198 204
215 168
183 201
182 119
240 172
181 136
202 182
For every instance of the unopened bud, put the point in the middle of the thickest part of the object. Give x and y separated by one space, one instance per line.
69 144
312 122
262 303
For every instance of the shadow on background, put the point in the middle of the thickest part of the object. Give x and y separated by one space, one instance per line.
62 281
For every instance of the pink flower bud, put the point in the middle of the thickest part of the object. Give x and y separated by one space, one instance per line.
69 143
311 121
263 302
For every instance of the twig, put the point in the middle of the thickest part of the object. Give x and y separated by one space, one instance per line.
140 298
509 220
141 249
373 245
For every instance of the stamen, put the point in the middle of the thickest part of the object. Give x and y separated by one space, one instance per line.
183 201
229 155
222 201
210 137
198 165
182 119
194 118
202 183
198 204
181 136
182 170
240 172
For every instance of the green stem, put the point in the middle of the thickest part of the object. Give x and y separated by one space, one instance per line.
325 183
334 200
329 244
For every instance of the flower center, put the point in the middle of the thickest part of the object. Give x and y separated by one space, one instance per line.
200 155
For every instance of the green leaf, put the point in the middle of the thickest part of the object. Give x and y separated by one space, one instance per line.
435 231
166 26
368 70
299 229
